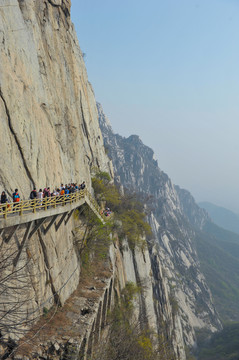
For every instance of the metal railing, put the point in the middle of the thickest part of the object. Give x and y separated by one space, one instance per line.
93 201
26 206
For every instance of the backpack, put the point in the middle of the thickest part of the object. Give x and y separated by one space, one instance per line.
16 197
32 195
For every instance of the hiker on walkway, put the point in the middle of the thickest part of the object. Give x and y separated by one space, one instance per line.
33 194
4 200
15 197
46 195
40 196
57 194
82 186
54 193
46 192
72 189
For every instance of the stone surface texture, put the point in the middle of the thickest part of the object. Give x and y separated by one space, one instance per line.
49 121
50 135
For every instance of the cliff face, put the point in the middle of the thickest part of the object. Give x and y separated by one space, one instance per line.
49 135
175 219
49 124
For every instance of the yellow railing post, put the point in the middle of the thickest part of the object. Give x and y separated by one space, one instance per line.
5 212
34 205
55 202
45 203
21 207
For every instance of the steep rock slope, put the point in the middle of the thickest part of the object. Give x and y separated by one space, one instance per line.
174 230
50 134
47 106
85 315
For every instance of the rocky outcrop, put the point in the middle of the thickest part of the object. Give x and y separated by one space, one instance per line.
174 226
85 314
197 216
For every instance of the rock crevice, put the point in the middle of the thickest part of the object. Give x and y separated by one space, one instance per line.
14 134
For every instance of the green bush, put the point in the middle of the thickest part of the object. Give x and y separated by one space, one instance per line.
129 216
96 238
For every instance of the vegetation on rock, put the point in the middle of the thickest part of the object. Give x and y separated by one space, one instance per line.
222 345
218 251
127 338
129 216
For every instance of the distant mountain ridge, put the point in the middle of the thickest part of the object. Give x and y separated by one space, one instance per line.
175 219
185 233
221 216
198 257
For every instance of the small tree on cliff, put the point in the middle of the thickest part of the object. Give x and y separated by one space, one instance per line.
129 216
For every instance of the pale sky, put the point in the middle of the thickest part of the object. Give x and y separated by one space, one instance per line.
168 71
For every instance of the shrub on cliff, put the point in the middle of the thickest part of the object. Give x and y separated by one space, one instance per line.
105 190
94 241
129 216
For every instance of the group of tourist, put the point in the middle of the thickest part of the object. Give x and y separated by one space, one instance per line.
46 192
106 211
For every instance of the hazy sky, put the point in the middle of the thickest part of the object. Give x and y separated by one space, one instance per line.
168 70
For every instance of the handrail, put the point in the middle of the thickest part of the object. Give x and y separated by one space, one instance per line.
93 201
26 206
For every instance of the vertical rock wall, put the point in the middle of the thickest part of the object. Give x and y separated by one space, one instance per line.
49 123
46 273
152 307
49 134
